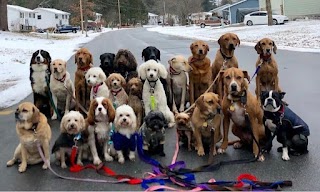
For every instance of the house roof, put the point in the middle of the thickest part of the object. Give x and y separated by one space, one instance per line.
98 14
226 6
22 9
56 11
152 15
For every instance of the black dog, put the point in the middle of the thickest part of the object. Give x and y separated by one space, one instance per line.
40 79
106 63
291 131
153 133
151 52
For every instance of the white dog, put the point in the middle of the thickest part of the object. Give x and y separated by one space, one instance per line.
96 78
123 138
71 125
59 81
153 94
101 114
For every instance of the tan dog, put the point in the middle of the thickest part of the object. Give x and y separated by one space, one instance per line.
200 76
225 58
237 101
31 127
116 83
184 129
206 121
178 81
84 61
267 77
134 89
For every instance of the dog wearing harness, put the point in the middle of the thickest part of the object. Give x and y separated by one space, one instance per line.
184 128
291 131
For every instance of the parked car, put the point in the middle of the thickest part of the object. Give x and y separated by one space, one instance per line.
212 21
261 18
66 29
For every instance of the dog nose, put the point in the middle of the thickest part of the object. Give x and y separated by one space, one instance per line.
269 100
124 120
88 80
233 87
80 58
151 75
106 63
153 57
114 83
72 125
268 50
55 69
16 114
231 46
38 58
100 109
200 51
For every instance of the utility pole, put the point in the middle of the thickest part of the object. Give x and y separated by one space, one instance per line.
164 11
81 16
269 12
119 12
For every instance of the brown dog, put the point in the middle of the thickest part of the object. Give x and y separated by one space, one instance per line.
206 121
225 58
267 76
184 129
134 89
84 61
200 76
31 127
236 103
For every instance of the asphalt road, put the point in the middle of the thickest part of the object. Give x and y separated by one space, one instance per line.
299 77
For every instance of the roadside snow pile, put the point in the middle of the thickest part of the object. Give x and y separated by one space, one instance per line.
296 35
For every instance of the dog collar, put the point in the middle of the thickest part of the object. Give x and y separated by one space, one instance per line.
193 59
265 58
86 68
115 92
173 71
96 87
225 57
62 79
242 98
34 128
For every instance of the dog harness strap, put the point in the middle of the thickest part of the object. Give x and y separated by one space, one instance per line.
62 79
96 88
225 57
265 58
173 72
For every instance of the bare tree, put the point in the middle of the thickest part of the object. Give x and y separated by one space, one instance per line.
3 15
269 10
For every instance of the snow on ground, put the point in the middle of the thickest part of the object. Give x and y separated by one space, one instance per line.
303 35
16 50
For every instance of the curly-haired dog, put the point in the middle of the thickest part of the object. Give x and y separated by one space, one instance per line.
96 78
125 63
106 63
237 103
123 138
184 129
71 127
84 61
32 127
39 74
153 95
116 84
225 58
153 133
267 76
101 114
59 83
201 75
206 121
178 81
291 131
134 88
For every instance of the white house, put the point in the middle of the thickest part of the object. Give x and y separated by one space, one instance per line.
196 17
48 17
153 19
20 18
98 17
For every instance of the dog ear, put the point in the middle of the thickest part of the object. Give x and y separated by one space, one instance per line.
258 48
76 58
142 71
220 79
207 47
171 60
90 117
82 122
63 125
191 46
102 75
143 54
123 81
113 56
162 71
101 57
220 40
158 54
200 103
244 84
36 115
246 75
47 56
282 95
274 47
108 81
238 41
90 58
111 111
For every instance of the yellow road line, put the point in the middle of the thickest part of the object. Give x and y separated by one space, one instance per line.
6 112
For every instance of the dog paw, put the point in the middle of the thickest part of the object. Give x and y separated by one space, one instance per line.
121 160
214 153
54 116
221 151
201 151
285 157
261 158
181 109
97 161
132 156
237 145
171 125
63 165
108 158
22 167
79 163
10 162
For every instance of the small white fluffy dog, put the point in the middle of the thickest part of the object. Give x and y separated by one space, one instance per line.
96 78
59 81
123 138
101 114
71 125
151 71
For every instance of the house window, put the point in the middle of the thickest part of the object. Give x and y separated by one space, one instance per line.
66 16
56 16
30 15
39 17
21 15
62 16
33 15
